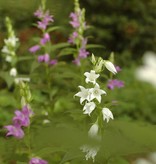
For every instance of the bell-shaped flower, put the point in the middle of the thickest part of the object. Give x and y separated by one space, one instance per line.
91 77
91 151
84 94
89 107
96 92
93 131
107 114
109 65
15 131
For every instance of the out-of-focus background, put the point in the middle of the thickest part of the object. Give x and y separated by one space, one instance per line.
128 28
125 27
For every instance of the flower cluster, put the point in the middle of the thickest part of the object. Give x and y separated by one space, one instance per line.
90 94
37 160
77 38
91 98
9 49
44 21
21 119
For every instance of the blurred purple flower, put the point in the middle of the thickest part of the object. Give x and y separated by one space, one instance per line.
53 62
39 13
37 161
83 53
77 61
73 37
15 131
115 83
33 49
45 39
21 118
118 69
45 19
75 20
44 58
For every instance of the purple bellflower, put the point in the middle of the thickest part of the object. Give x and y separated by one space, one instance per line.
15 131
37 161
21 119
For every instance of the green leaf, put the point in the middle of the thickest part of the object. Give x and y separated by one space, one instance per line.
73 154
23 58
94 46
53 28
8 79
67 51
59 45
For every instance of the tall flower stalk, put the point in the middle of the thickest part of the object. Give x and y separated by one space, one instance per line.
44 20
77 37
91 98
10 47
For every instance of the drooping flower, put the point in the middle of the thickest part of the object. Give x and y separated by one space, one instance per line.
89 107
15 131
37 160
115 83
93 131
91 77
107 114
90 151
96 92
84 94
109 65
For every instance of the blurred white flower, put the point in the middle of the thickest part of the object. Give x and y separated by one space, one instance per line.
147 72
109 65
11 41
8 58
89 107
91 77
107 114
13 72
152 157
84 94
96 92
90 151
5 50
142 161
20 79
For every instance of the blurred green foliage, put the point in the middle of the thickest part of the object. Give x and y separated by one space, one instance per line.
125 27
